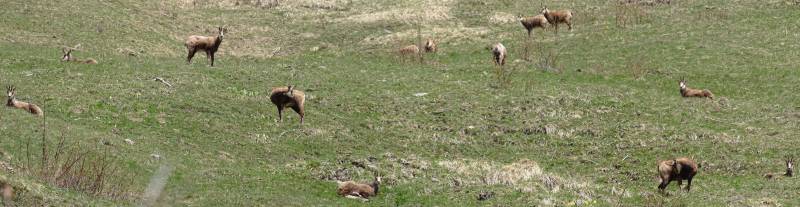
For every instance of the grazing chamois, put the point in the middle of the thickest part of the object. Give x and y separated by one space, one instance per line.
677 169
68 56
530 23
13 102
287 96
499 53
690 92
789 170
350 189
558 17
208 44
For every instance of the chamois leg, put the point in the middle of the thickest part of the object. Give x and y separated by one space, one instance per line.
688 184
663 185
211 54
299 111
569 25
190 56
208 55
280 113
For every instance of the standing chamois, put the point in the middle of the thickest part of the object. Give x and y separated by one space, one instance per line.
13 102
284 97
677 169
690 92
558 17
208 44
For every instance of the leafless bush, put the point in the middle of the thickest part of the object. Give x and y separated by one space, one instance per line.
85 170
548 61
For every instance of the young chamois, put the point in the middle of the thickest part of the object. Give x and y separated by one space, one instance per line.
350 189
530 23
499 53
13 102
430 46
677 169
68 56
284 97
690 92
558 17
789 170
208 44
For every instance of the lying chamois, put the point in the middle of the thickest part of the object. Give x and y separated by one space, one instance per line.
350 189
68 56
13 102
690 92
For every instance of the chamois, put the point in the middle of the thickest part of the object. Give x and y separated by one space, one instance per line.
430 46
530 23
690 92
13 102
558 17
350 189
499 52
409 50
677 169
68 56
284 97
208 44
789 170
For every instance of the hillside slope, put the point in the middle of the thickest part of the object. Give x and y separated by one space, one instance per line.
583 121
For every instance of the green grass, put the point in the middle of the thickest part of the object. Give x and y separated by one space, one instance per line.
601 123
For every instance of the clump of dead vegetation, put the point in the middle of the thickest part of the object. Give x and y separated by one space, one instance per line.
524 175
92 171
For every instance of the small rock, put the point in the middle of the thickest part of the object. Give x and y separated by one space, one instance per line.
420 94
129 141
155 156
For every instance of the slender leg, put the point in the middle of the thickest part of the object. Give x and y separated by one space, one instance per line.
212 58
688 184
300 112
191 55
663 185
280 113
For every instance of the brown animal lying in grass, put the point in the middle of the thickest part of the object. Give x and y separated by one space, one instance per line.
677 169
350 189
13 102
690 92
67 57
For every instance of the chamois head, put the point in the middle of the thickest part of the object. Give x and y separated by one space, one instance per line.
789 166
289 91
222 31
68 52
10 92
545 10
682 83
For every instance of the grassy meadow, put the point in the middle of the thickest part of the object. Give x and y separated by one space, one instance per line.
582 119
